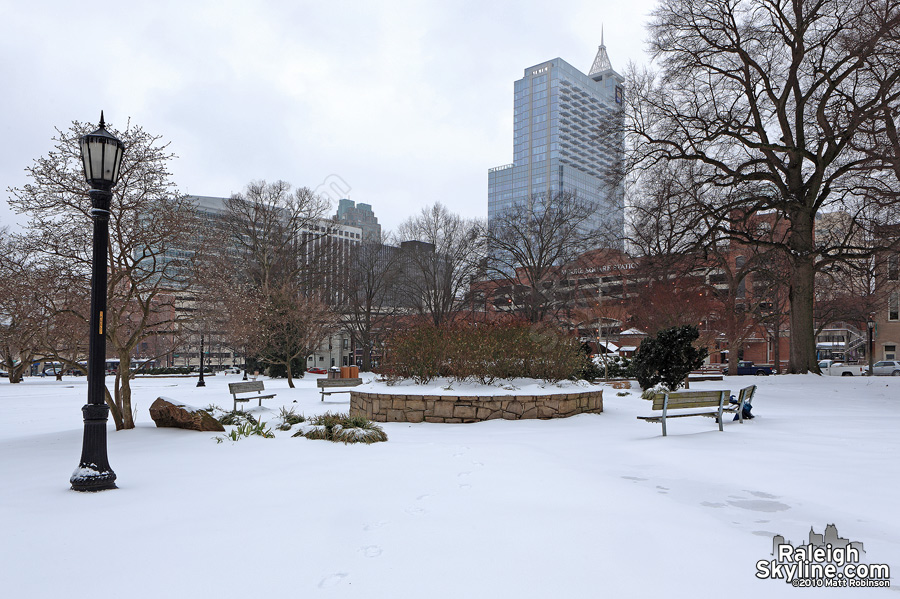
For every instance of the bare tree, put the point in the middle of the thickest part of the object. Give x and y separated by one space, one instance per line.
280 238
528 246
290 327
149 220
372 298
770 97
21 317
439 261
274 232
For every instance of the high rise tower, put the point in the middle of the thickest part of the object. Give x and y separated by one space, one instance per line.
565 139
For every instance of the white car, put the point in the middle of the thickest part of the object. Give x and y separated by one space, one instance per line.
232 370
886 368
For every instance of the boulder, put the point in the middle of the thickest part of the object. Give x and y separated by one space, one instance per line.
175 414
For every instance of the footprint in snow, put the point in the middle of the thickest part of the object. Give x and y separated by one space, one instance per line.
371 551
374 525
332 580
414 511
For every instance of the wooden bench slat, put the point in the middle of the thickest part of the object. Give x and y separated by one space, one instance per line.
681 399
248 387
331 383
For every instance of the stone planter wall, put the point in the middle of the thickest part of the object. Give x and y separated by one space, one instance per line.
452 409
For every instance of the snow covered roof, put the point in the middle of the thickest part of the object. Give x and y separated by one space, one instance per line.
633 332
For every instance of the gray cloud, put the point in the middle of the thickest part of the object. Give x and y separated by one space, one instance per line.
409 102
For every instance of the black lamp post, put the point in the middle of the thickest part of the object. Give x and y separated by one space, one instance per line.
871 325
101 154
201 382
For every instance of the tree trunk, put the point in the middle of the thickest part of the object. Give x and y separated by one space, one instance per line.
16 371
114 410
803 338
366 356
290 374
125 397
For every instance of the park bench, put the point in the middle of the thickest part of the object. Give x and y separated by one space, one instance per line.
688 400
745 396
249 387
706 373
323 384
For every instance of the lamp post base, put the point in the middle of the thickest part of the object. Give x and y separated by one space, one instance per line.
93 472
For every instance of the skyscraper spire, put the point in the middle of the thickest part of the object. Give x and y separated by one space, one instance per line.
601 62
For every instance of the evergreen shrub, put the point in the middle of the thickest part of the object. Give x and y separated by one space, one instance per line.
668 357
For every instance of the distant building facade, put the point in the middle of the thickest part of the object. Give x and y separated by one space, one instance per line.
359 215
565 140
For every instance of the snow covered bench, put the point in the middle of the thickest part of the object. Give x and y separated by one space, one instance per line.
688 400
323 384
248 387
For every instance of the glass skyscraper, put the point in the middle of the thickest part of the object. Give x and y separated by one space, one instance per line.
565 140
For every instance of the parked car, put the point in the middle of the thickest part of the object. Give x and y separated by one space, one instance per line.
232 370
315 370
885 368
832 368
747 367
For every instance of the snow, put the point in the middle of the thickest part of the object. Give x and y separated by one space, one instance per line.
589 506
445 386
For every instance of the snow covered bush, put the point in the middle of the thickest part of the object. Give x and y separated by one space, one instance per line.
341 428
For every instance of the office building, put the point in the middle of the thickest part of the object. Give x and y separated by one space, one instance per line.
359 215
566 139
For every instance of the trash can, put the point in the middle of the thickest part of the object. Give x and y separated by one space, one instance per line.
345 372
354 372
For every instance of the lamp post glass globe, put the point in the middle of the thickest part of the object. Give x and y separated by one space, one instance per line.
101 155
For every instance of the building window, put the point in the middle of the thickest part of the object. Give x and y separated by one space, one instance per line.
894 306
890 352
894 267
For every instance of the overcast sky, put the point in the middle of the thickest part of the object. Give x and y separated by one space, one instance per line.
404 103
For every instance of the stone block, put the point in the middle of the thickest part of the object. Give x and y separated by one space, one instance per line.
415 416
396 416
464 411
415 404
530 413
434 419
515 407
444 409
545 412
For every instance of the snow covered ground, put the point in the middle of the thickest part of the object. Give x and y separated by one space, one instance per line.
590 506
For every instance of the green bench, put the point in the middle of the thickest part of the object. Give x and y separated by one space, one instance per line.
680 401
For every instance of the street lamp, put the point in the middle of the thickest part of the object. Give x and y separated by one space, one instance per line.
871 325
101 155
